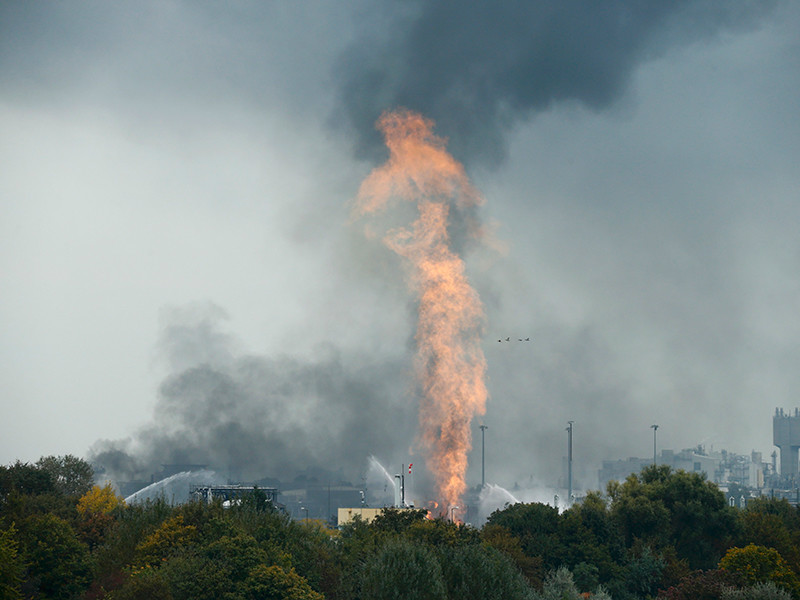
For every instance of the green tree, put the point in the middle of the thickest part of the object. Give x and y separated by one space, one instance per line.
72 476
536 525
663 507
358 541
310 546
478 571
217 570
643 574
637 513
397 521
26 490
589 537
402 570
586 577
59 566
559 585
237 555
132 524
192 576
24 478
438 532
500 538
149 584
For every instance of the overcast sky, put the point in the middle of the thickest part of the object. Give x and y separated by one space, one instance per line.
180 278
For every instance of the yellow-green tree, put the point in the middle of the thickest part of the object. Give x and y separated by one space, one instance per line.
95 510
758 564
10 565
171 535
99 500
276 582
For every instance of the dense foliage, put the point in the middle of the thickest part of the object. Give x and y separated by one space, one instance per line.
659 534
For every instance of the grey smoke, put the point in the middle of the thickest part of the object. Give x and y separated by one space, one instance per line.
253 417
479 68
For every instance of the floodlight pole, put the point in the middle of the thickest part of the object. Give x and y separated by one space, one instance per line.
654 428
483 455
569 461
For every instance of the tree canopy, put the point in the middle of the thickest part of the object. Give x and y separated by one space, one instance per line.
660 533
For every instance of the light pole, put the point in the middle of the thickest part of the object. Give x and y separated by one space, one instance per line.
569 460
654 428
305 509
483 456
453 509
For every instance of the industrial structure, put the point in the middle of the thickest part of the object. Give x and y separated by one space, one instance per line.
728 469
786 436
721 467
365 513
231 493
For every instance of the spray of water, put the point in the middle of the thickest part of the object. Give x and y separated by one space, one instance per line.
376 467
175 488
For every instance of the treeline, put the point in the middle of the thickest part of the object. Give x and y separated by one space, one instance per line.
660 534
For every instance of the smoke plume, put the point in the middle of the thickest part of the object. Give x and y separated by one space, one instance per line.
249 416
480 68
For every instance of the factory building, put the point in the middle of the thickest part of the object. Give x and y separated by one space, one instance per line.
786 436
720 467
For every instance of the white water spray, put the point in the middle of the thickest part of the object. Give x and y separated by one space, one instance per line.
175 488
380 484
494 497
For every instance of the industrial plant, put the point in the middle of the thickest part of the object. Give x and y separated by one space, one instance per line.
326 496
748 473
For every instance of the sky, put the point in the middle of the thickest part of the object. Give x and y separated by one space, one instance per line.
182 280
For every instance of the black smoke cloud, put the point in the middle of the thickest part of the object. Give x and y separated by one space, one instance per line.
251 417
479 68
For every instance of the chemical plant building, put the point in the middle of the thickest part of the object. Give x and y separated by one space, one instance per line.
322 495
727 469
722 467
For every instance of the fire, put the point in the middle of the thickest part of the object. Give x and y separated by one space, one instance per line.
449 363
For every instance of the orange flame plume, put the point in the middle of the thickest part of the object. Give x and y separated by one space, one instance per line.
450 364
